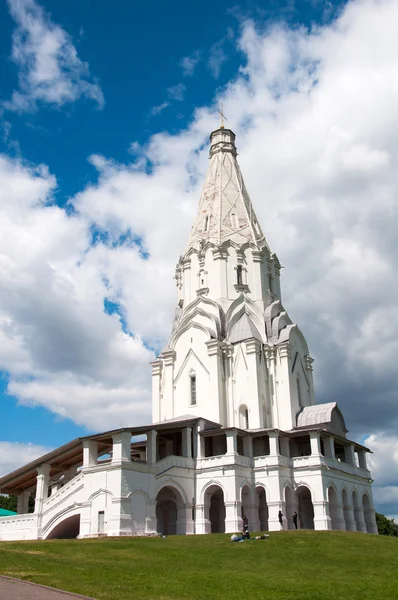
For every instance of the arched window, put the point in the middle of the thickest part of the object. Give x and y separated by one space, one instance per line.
239 275
192 377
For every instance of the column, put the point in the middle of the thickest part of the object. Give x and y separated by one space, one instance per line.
42 479
23 502
315 439
156 380
219 281
286 411
340 521
169 357
253 347
328 445
273 442
362 459
248 446
90 453
349 454
121 448
349 509
187 442
232 445
258 262
186 266
233 519
151 522
151 446
321 516
202 524
185 524
285 448
214 351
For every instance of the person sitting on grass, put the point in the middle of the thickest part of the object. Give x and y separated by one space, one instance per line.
246 533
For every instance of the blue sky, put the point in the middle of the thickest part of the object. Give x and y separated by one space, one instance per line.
105 110
135 52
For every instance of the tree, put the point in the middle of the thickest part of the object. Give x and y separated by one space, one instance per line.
386 526
8 502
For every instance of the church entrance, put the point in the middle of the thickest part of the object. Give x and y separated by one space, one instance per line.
168 504
215 509
262 508
305 508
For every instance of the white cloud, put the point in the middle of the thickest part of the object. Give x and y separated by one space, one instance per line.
216 59
315 116
50 70
156 110
189 63
177 92
14 455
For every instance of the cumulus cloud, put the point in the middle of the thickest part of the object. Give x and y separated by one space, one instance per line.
189 63
14 455
216 59
50 70
315 114
177 92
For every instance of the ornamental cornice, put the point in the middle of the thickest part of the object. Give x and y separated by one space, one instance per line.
253 346
214 347
169 357
258 256
308 362
285 350
156 366
220 254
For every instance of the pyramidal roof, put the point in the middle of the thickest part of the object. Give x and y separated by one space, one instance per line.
225 210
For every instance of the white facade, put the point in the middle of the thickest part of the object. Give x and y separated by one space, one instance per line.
235 426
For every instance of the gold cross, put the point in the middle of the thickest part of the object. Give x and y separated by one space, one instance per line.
221 113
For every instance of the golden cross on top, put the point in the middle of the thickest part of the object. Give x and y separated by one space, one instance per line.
221 113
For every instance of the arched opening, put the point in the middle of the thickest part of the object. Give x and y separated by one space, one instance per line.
333 508
262 508
215 509
368 514
305 508
346 510
290 507
68 529
169 508
243 417
357 517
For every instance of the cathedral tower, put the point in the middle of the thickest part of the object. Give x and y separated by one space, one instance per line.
234 356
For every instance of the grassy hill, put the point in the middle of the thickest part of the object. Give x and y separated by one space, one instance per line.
302 565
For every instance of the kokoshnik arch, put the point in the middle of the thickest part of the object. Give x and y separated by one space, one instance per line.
235 425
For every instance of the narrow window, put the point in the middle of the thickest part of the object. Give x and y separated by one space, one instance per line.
234 221
206 224
246 419
193 390
299 392
239 278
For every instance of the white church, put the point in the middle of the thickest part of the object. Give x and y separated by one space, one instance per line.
235 426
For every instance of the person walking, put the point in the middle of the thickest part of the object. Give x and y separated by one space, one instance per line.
246 533
295 519
280 518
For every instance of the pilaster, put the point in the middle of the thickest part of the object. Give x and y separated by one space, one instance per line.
167 408
219 280
121 447
151 446
214 351
253 348
156 381
258 267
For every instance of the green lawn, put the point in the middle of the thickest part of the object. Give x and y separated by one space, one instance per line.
300 565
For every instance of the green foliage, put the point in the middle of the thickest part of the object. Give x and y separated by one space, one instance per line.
8 502
386 526
304 565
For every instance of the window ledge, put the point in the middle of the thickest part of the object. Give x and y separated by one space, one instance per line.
241 287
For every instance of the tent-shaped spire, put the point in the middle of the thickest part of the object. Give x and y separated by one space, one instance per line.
225 209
